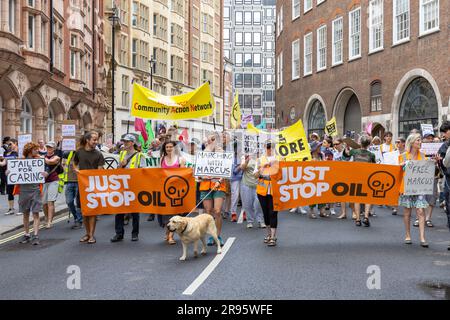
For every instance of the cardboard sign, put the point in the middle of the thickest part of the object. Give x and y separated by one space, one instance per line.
144 190
26 171
214 164
351 143
419 177
331 127
298 184
391 158
22 141
68 130
427 128
376 150
69 144
430 149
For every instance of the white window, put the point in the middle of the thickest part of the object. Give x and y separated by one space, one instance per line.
51 125
257 39
125 90
320 1
375 25
238 39
307 54
26 117
247 38
12 16
296 59
295 9
429 16
401 20
280 21
31 28
280 70
338 35
238 59
43 37
355 34
307 5
322 48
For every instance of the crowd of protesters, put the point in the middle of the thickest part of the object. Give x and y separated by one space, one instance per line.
250 183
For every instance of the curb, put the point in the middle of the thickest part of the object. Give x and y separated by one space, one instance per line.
57 214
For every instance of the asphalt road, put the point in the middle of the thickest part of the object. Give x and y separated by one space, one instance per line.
315 259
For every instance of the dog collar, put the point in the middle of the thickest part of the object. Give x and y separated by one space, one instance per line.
184 228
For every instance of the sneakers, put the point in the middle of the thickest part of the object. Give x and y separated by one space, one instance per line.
35 240
416 223
134 237
210 242
262 225
249 225
117 238
233 217
394 211
221 241
303 211
293 210
77 225
333 212
19 214
25 239
9 212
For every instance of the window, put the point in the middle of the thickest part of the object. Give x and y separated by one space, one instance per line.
134 16
268 29
248 99
338 35
316 119
322 48
12 16
51 124
375 25
257 39
43 37
268 63
238 17
257 17
248 17
257 101
320 1
268 45
134 53
257 59
429 16
238 80
257 81
31 28
248 80
296 59
307 54
268 79
401 20
375 96
280 70
226 34
248 60
280 21
57 45
238 39
308 4
355 34
295 9
247 38
238 59
125 90
226 13
73 56
269 13
26 117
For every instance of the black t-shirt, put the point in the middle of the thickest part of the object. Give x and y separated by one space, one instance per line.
86 160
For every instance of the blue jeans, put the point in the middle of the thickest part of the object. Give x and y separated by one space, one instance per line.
447 200
71 193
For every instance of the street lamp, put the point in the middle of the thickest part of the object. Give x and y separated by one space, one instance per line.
114 18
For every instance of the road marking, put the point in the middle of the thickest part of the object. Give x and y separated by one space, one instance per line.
18 235
241 217
209 269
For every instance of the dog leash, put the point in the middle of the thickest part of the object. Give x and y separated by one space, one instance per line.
200 202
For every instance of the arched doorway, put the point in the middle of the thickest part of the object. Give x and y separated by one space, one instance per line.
316 119
352 116
418 105
378 131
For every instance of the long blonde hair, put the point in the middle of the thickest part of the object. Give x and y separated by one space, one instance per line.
410 140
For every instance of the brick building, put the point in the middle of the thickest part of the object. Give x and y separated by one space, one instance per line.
362 61
51 66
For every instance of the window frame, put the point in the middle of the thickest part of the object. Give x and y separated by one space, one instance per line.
350 47
319 48
309 35
293 60
335 62
395 16
373 27
423 32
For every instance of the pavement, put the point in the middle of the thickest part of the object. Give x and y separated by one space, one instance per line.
13 222
318 259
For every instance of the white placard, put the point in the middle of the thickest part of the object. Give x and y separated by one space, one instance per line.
430 148
391 158
23 140
427 128
214 164
26 171
419 177
376 150
69 144
68 130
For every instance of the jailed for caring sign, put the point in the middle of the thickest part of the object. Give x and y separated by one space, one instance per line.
26 171
214 164
146 190
303 183
419 177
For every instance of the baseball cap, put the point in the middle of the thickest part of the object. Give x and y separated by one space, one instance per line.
129 137
426 135
51 144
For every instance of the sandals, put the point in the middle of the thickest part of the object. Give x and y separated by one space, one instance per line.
92 240
341 217
366 222
272 242
84 239
171 241
416 223
267 239
429 224
358 223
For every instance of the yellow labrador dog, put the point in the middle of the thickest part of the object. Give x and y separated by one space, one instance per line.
194 229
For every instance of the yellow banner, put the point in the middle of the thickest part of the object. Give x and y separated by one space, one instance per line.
151 105
291 143
236 113
331 127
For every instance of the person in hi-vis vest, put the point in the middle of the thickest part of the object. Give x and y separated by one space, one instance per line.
129 158
267 165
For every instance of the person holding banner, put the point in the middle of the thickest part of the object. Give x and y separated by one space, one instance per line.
317 155
266 166
170 159
413 144
30 199
213 191
87 157
11 153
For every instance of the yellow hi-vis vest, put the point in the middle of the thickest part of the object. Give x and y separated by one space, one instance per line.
63 176
264 186
135 160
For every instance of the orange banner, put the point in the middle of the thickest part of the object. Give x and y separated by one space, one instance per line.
316 182
149 190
